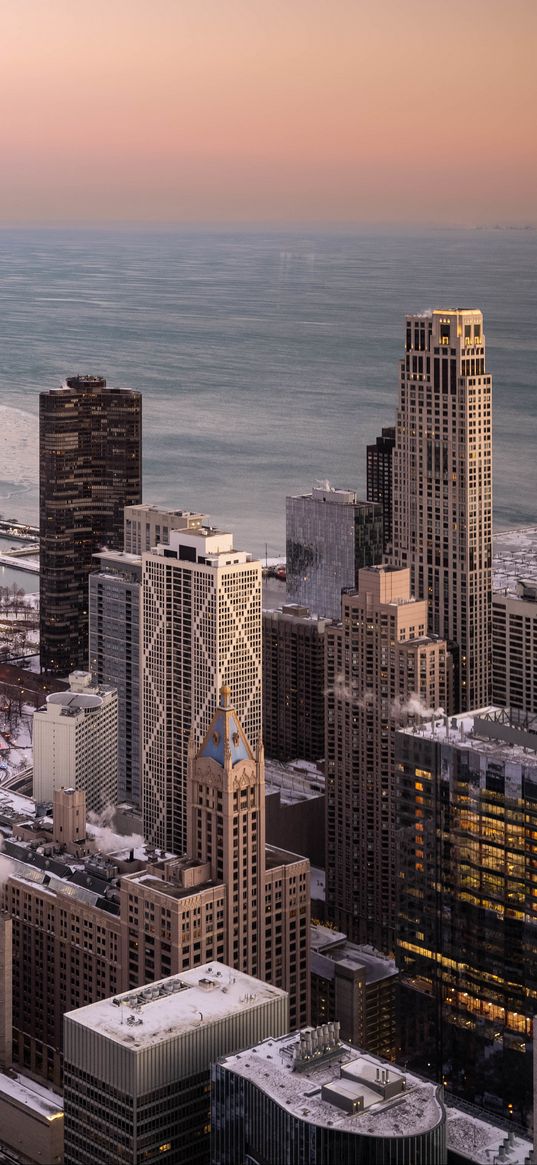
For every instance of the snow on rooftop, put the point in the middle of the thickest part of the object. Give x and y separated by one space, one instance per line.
35 1096
296 780
174 1006
480 1141
464 731
514 557
411 1112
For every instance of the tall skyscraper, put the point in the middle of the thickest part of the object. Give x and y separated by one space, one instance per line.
379 478
442 488
330 534
381 668
114 653
201 629
89 470
293 683
467 922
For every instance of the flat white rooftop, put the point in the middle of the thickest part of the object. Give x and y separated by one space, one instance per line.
412 1111
468 731
182 1003
31 1095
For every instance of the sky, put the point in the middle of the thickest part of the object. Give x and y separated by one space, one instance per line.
192 111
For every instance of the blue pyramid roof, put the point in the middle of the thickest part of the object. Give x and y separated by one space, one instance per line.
225 728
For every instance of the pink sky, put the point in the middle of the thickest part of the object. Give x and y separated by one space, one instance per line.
256 110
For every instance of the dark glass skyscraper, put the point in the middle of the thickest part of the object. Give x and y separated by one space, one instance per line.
89 469
379 478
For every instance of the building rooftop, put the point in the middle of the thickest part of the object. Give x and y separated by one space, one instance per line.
297 780
28 1093
151 1015
320 1089
514 558
330 947
502 735
477 1140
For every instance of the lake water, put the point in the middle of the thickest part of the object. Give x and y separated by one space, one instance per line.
267 359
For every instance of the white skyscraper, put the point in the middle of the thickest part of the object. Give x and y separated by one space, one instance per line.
442 488
201 629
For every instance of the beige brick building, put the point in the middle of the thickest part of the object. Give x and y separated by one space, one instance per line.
381 670
442 488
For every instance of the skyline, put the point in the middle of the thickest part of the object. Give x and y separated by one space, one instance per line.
249 113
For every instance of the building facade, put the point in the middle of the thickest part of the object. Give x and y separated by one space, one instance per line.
330 534
467 924
355 985
89 470
312 1098
442 488
201 629
137 1066
381 668
75 742
114 654
514 647
147 526
379 478
293 684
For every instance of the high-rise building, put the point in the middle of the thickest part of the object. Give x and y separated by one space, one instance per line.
114 653
75 742
293 683
201 629
467 923
442 488
379 478
148 526
89 470
330 534
310 1097
380 668
514 646
137 1067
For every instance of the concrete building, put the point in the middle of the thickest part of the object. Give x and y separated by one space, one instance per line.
114 654
137 1067
381 669
148 526
357 986
293 683
442 488
310 1097
201 629
467 922
75 742
89 470
514 647
379 478
330 534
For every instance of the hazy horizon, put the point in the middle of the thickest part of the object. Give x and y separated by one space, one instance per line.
211 113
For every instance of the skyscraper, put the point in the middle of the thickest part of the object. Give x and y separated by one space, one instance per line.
381 668
293 683
114 652
467 922
201 628
330 534
442 487
514 646
89 470
379 478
